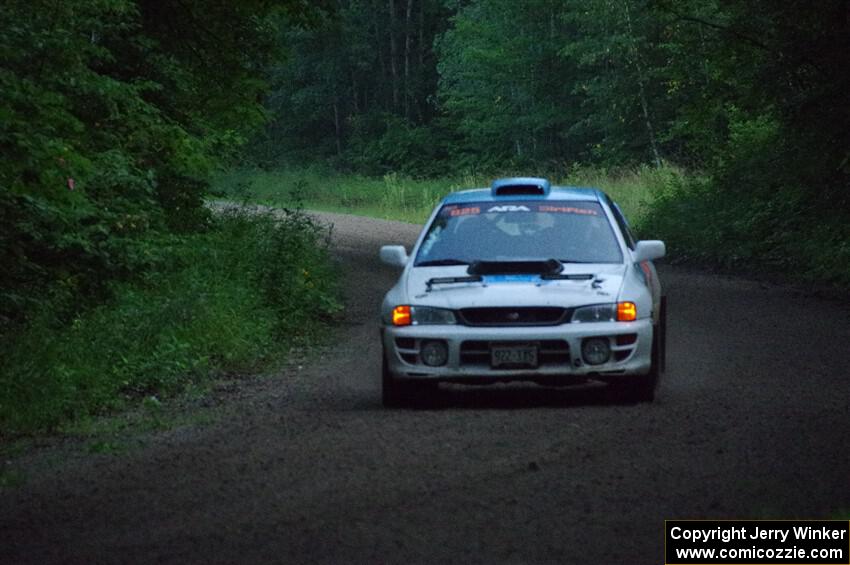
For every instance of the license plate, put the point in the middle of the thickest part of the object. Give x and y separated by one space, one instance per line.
508 356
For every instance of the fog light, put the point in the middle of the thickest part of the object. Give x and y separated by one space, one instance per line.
434 353
596 350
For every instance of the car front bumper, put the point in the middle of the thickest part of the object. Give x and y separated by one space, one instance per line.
559 351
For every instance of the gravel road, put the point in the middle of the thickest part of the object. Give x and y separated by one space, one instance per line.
752 421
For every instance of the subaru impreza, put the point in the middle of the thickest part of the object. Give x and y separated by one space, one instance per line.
524 281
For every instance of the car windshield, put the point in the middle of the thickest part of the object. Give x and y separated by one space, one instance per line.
571 232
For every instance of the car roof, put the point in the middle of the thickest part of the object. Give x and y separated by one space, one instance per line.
555 193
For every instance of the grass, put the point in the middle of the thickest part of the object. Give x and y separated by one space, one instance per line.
399 198
230 300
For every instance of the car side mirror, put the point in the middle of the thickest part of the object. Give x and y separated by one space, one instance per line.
649 250
394 255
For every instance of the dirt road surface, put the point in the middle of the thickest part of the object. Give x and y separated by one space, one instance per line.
752 421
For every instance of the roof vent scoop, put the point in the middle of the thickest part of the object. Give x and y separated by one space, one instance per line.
520 186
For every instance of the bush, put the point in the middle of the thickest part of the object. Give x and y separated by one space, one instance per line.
228 300
781 232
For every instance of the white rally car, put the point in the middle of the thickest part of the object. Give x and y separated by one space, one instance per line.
524 282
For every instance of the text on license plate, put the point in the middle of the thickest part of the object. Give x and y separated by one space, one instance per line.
513 356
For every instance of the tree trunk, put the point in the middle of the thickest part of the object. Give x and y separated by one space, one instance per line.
377 96
641 87
393 54
337 128
421 71
354 93
421 35
407 59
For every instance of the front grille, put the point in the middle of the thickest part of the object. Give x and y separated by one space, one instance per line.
524 316
550 352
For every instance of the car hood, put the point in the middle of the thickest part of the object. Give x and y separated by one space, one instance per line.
602 283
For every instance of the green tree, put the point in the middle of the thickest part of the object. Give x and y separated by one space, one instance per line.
112 114
356 85
503 85
622 62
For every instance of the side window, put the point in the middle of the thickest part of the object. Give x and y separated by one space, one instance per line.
622 223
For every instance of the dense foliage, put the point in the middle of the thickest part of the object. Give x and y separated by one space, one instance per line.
116 280
611 81
222 302
112 115
359 86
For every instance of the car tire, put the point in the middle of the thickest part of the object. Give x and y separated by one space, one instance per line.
662 324
641 388
391 389
399 394
636 389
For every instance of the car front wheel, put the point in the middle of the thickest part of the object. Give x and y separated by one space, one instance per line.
641 388
391 389
396 393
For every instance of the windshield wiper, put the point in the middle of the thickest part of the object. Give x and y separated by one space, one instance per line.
441 263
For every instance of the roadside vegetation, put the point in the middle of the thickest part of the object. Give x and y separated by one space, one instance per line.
232 299
117 284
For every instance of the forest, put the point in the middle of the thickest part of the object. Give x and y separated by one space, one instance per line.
422 86
118 116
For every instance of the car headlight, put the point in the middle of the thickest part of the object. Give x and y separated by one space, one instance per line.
619 311
595 313
421 316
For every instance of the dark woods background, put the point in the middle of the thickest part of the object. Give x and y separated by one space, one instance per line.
115 113
423 85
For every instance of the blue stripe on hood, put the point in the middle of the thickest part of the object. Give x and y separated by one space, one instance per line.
511 278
